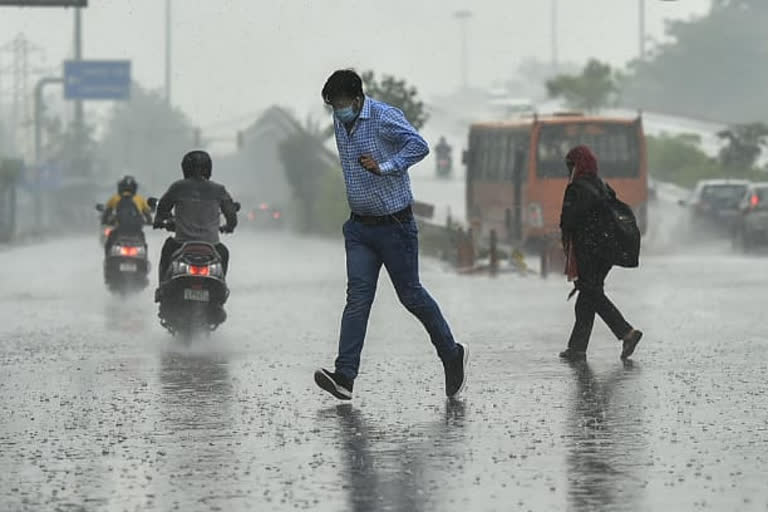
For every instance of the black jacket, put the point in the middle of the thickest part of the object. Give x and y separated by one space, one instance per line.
583 221
197 204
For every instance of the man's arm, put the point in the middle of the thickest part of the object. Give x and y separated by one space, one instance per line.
227 205
396 129
144 208
165 206
109 209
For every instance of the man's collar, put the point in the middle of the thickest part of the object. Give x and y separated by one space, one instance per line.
365 113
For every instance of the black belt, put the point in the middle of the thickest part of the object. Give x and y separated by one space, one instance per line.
403 215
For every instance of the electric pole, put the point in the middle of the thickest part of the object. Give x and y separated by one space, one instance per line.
463 17
554 41
168 51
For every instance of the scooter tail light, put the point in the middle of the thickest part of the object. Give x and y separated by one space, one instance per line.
197 270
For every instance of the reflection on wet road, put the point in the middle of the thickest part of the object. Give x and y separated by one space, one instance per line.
101 410
606 440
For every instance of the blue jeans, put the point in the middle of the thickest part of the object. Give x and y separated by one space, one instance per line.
396 246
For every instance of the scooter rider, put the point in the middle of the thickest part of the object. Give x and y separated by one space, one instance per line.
126 211
196 202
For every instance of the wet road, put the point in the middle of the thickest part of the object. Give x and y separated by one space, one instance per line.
101 410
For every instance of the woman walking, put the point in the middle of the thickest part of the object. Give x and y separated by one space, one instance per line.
585 232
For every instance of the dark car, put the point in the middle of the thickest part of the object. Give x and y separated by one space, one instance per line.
714 204
751 230
265 216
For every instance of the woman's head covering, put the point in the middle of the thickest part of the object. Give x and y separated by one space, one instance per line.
583 160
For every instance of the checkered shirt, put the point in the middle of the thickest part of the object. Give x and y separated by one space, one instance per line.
382 132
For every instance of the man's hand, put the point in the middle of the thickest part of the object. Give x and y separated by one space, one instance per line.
370 165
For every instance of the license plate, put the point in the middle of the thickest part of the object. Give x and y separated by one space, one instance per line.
128 267
197 295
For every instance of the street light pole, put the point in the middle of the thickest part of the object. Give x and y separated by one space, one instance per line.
38 198
641 28
78 56
463 16
554 36
168 51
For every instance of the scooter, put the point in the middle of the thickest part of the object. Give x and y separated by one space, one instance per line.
194 289
126 263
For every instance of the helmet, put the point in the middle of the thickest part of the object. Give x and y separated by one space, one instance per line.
197 164
127 184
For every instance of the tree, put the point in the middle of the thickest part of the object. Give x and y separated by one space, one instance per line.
678 159
397 93
146 137
594 88
745 144
315 179
713 67
72 152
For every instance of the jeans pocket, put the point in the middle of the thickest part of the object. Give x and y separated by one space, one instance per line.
409 234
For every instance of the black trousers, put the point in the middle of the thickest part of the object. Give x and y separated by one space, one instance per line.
592 300
171 246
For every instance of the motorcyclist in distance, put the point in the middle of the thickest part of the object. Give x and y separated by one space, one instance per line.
126 211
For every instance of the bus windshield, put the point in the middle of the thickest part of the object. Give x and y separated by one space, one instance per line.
615 145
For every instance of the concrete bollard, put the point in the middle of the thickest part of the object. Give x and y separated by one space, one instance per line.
465 249
494 254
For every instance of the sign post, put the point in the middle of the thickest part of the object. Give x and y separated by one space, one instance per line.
45 3
97 79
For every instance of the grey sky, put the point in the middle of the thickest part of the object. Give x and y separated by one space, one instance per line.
234 57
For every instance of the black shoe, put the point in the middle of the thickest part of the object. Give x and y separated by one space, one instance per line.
335 383
218 315
573 355
630 343
456 372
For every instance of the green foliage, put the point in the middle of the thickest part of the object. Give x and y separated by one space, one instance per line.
595 87
745 143
10 171
678 159
318 188
397 93
146 137
71 150
713 67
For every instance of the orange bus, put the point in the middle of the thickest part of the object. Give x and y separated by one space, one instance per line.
525 206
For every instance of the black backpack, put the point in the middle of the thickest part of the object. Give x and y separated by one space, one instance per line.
128 216
622 245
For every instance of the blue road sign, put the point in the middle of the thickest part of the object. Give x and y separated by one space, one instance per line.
97 79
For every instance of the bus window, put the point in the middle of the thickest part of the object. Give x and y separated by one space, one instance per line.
498 151
479 151
615 145
517 141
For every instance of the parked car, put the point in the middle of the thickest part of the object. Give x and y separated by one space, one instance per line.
714 204
751 230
